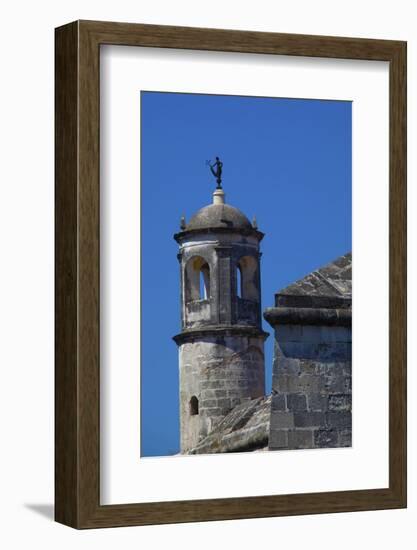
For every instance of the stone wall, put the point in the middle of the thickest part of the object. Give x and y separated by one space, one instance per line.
222 372
311 387
312 370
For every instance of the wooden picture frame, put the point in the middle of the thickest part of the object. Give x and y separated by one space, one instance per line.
77 372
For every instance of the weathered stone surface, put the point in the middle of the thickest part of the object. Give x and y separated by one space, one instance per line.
337 384
320 351
309 419
287 365
342 402
345 438
245 428
319 316
278 439
317 402
326 438
339 419
312 359
220 373
279 402
332 280
205 404
281 420
300 439
297 402
298 384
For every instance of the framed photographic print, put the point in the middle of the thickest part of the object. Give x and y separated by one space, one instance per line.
230 274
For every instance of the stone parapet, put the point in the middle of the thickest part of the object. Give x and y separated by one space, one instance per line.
308 316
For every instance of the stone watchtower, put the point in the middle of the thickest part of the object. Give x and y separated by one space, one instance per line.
221 344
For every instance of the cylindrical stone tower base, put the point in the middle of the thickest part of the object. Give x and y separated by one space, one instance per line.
217 372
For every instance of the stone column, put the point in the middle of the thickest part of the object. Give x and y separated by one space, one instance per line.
224 287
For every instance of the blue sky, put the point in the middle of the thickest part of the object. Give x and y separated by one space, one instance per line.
287 161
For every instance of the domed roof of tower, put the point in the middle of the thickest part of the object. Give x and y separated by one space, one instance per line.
219 215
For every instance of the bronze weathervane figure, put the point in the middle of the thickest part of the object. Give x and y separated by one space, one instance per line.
216 169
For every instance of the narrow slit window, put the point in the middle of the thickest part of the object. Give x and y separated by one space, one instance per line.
205 282
203 290
239 282
193 406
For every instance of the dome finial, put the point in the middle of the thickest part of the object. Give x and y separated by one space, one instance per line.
219 196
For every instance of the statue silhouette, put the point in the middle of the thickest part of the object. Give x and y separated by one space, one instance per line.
216 169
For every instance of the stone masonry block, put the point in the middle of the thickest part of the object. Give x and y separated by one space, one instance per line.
349 384
309 419
213 394
339 419
341 402
224 403
297 350
233 393
212 384
313 334
325 438
336 334
212 411
296 402
230 384
207 394
300 439
245 399
207 403
309 367
298 384
317 402
337 384
329 368
278 402
334 352
345 438
278 439
281 420
287 365
347 368
288 333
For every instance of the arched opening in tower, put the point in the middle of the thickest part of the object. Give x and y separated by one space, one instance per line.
193 405
247 278
197 279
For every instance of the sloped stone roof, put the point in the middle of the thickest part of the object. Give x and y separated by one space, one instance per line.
245 428
332 280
